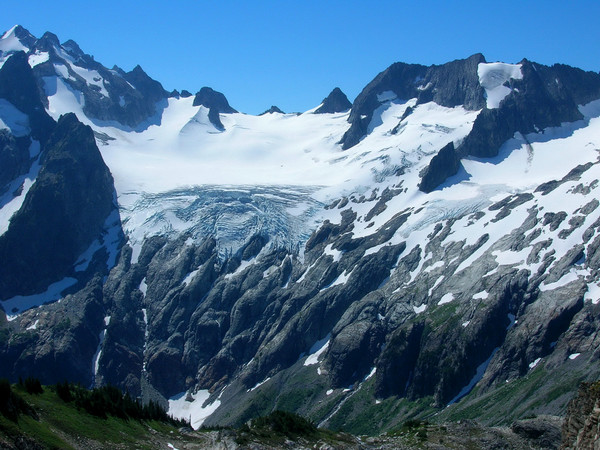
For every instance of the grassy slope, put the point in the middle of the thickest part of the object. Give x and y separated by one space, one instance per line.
61 425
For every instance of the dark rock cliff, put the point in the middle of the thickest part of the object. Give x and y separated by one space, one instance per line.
63 212
335 102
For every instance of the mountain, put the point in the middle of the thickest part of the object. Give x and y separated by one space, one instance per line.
429 251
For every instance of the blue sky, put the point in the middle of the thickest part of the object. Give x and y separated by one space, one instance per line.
291 54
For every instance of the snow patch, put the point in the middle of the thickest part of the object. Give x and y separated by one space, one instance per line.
574 355
492 77
34 325
447 298
190 407
534 363
13 119
419 309
317 350
19 303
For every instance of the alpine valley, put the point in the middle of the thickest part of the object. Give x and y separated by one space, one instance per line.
430 251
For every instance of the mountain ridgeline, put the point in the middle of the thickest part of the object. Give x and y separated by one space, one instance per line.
451 269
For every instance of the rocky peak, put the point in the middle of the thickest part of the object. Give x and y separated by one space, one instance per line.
451 84
47 42
23 35
73 48
216 104
149 88
19 87
271 110
335 102
62 214
210 98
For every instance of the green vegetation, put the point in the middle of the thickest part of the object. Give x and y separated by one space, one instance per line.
109 401
30 412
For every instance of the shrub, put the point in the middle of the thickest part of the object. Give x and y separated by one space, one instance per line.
33 386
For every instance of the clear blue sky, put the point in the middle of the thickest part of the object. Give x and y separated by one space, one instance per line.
292 53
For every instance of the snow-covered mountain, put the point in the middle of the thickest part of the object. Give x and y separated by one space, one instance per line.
433 243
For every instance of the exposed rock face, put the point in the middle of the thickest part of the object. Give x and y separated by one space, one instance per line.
443 165
451 84
59 343
545 97
62 214
335 102
19 87
271 110
216 104
581 428
395 302
133 99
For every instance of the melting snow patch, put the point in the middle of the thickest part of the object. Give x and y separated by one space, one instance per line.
419 309
478 376
386 96
329 392
437 282
316 350
574 355
259 384
16 305
34 326
171 446
336 254
38 58
434 266
534 363
190 276
446 298
194 411
13 119
593 293
466 324
143 287
481 295
563 281
373 370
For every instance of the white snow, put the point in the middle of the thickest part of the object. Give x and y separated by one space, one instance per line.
16 305
534 363
335 254
38 58
34 325
11 204
259 384
481 295
434 266
466 324
447 298
371 373
593 293
437 282
10 42
492 77
329 392
13 119
143 287
101 336
194 411
419 309
317 350
574 355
